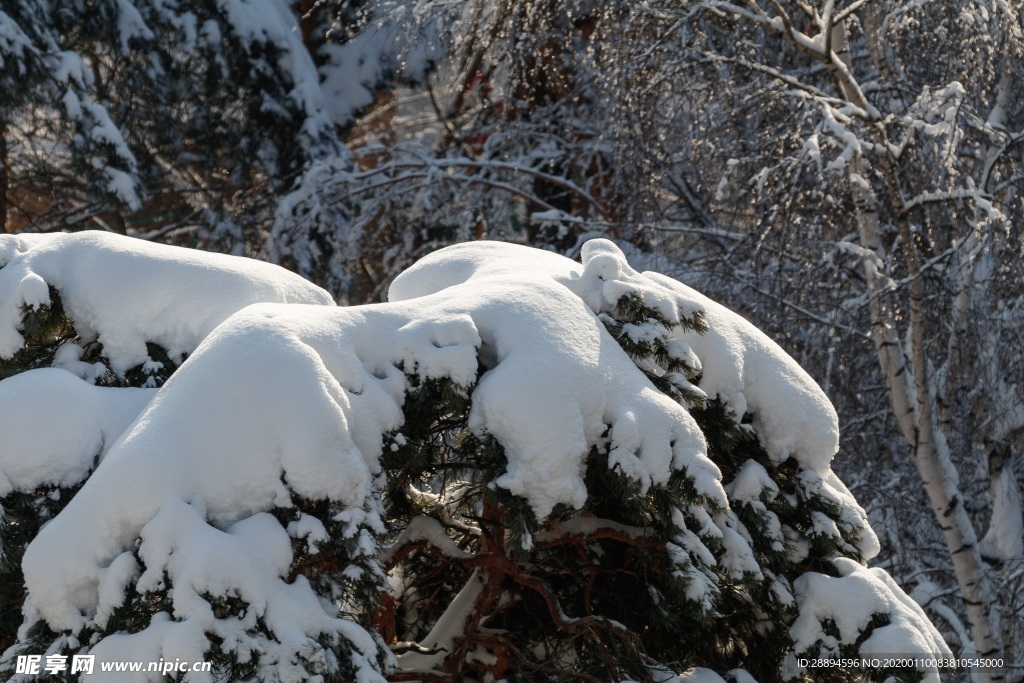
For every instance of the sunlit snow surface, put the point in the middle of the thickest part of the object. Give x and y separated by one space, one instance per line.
126 292
283 400
56 425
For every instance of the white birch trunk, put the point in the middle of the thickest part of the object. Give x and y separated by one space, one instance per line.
912 403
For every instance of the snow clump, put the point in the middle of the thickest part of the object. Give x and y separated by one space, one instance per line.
124 292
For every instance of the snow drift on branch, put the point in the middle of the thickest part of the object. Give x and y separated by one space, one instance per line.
56 425
286 404
741 365
294 400
849 602
125 292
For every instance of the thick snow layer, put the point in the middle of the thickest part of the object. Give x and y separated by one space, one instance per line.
55 426
126 292
249 557
750 373
850 601
650 434
740 364
291 400
286 401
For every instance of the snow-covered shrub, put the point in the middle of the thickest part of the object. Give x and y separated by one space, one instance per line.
519 468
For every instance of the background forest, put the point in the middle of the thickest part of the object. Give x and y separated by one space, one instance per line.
846 174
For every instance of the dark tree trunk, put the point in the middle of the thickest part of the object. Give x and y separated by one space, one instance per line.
5 177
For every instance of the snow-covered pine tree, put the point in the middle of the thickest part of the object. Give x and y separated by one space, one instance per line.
191 122
49 112
519 468
606 591
64 425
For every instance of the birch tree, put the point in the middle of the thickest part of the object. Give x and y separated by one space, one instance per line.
808 160
924 157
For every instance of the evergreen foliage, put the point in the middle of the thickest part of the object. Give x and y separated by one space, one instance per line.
638 581
430 567
24 513
46 329
186 121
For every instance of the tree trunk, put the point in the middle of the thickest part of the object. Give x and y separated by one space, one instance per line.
5 178
912 403
941 480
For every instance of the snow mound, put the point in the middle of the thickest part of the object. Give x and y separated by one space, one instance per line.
559 371
290 400
741 365
126 292
55 426
281 404
751 374
851 601
547 326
